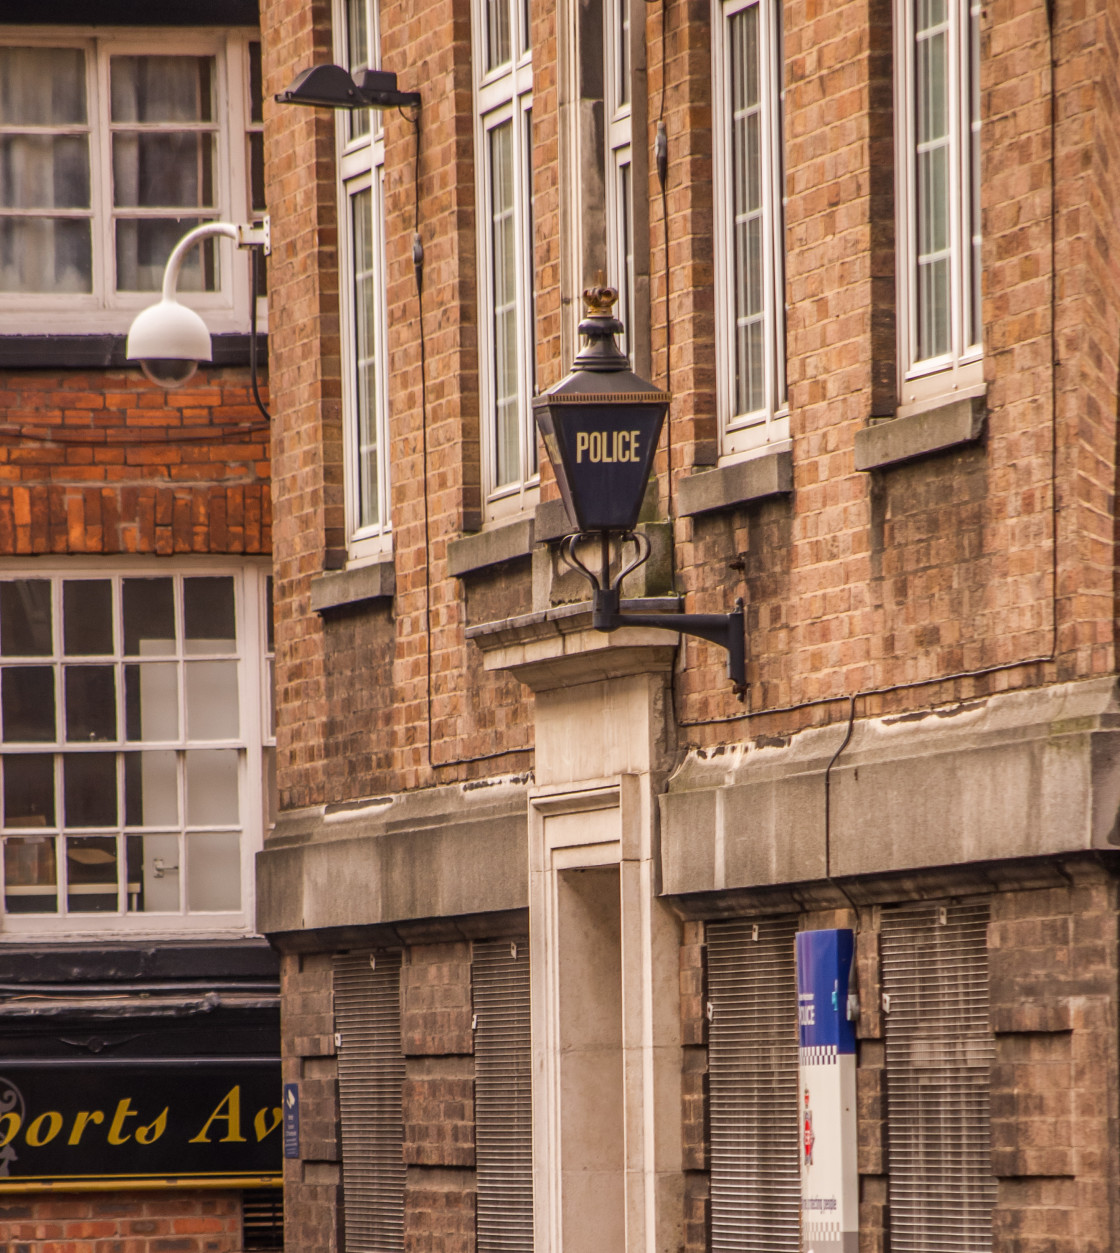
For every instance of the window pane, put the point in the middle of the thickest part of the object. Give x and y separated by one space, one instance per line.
357 50
622 60
25 618
29 790
749 234
256 92
504 286
142 249
163 170
27 698
209 615
497 32
91 703
45 255
214 870
149 616
257 200
212 791
30 875
89 789
91 874
162 89
44 172
87 617
42 86
365 359
151 789
211 699
151 701
153 873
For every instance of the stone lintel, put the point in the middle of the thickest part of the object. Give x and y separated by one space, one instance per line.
558 647
397 861
1027 774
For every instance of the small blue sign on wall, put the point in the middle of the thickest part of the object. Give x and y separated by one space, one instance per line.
291 1120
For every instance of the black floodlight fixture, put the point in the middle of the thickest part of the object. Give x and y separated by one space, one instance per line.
600 428
331 87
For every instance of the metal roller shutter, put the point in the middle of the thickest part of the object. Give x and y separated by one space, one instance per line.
503 1099
367 1017
939 1048
752 1076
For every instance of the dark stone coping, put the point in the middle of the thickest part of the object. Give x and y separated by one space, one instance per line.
131 13
92 352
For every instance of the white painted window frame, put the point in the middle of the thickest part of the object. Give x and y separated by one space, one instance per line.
619 173
960 371
106 310
253 744
361 164
505 94
757 431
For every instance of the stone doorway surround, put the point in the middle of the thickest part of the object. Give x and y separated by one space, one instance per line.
605 998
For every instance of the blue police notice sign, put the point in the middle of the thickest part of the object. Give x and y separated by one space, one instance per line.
824 964
827 1070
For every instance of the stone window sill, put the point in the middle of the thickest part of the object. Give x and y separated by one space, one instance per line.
921 432
488 548
336 589
737 483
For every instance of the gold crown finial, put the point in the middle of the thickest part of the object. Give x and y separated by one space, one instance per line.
600 299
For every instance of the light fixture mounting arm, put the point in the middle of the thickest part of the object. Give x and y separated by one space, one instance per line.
724 629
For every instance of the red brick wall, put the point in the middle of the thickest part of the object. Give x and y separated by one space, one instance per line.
173 1221
100 461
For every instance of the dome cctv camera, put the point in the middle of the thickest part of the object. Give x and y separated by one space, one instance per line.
168 340
168 372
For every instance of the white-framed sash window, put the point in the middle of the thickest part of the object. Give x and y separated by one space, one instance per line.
749 224
937 113
503 136
361 162
112 147
134 745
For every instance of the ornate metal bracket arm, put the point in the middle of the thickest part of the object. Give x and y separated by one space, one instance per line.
724 629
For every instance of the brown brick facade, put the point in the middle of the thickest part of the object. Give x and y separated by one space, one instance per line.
123 1222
